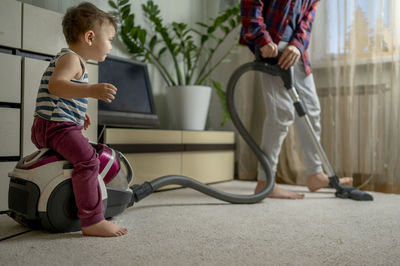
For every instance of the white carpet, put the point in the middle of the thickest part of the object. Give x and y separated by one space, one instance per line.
184 227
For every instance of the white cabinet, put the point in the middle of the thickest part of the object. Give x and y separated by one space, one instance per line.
207 156
5 168
42 30
33 70
140 136
149 166
209 166
10 76
10 91
10 23
9 131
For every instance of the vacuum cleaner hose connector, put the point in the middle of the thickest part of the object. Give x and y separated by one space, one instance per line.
140 192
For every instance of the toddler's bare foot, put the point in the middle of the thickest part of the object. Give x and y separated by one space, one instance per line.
104 229
321 180
278 192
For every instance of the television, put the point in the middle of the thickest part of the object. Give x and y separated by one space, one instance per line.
133 105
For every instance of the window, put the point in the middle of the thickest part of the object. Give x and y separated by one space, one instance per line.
359 26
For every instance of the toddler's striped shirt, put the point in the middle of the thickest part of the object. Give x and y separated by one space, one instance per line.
54 108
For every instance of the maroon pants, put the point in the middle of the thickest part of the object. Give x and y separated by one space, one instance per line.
66 139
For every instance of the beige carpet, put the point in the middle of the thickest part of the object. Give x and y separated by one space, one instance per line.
184 227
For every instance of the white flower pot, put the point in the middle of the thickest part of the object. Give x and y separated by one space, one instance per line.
188 106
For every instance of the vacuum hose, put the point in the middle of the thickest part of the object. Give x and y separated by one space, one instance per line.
141 191
268 66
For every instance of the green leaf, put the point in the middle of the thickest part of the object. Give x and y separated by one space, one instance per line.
112 4
129 22
204 38
202 25
153 42
142 36
238 19
177 50
233 23
222 98
126 10
227 117
217 85
211 29
218 21
123 2
162 50
134 33
225 29
186 32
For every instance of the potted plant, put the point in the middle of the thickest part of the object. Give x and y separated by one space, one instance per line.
190 50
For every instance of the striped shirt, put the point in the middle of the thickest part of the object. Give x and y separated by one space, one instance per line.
265 21
54 108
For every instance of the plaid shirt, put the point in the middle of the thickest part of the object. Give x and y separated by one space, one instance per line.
264 25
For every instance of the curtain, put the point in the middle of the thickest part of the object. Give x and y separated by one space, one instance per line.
355 58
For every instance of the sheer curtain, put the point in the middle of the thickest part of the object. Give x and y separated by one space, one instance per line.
355 58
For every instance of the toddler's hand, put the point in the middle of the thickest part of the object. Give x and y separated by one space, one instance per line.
87 122
104 91
269 50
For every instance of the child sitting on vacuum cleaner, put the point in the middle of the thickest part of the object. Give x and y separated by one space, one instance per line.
285 25
61 104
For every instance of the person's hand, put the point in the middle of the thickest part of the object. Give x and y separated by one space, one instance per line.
87 122
289 57
269 50
104 92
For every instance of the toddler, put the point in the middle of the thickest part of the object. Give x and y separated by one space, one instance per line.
61 105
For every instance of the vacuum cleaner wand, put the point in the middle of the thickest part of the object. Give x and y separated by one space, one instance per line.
287 77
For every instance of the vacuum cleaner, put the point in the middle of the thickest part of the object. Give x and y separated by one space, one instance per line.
40 190
270 66
41 195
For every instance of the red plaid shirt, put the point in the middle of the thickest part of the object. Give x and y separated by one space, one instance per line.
264 25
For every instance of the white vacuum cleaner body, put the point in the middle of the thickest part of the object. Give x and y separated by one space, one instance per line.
41 195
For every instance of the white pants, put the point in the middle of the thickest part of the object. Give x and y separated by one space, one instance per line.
280 114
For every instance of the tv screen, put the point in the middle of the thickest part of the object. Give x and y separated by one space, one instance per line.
133 105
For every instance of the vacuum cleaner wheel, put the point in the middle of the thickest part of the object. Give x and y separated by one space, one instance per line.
61 209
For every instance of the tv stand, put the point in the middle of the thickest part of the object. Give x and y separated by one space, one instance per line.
207 156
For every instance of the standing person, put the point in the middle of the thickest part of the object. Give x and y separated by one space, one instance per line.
285 26
61 105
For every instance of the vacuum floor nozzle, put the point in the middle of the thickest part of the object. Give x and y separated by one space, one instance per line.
353 193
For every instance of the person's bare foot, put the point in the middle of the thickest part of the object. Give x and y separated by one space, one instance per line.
321 180
104 229
278 192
